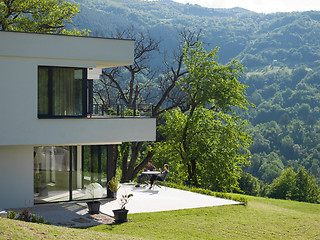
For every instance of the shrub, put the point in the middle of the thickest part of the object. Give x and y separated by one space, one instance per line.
26 216
237 198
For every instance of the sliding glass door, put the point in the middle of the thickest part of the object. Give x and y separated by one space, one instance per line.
51 173
93 170
63 173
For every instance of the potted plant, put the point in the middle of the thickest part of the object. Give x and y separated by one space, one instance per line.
113 186
120 215
94 190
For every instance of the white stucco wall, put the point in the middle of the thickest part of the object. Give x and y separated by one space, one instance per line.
19 94
16 176
21 126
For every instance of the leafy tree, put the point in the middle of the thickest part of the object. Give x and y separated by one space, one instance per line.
216 147
211 83
306 189
283 186
271 168
287 144
255 163
300 186
304 110
248 184
284 119
210 141
39 16
260 144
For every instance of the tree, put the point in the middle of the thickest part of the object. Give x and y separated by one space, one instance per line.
283 186
39 16
212 158
306 189
284 119
140 83
208 138
271 168
248 184
300 186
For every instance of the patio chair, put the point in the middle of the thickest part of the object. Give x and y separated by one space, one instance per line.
163 181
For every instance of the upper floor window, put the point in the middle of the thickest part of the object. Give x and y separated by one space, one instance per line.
62 92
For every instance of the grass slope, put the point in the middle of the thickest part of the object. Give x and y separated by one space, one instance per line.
261 219
13 229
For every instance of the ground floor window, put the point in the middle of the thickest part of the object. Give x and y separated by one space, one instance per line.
63 173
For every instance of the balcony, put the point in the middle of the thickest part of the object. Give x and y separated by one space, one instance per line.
119 111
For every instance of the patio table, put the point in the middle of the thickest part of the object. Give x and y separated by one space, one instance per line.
151 172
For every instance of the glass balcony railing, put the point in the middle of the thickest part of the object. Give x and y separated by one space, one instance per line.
119 110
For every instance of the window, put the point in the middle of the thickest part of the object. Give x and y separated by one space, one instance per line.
62 92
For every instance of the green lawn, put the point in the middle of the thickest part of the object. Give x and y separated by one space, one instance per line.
261 219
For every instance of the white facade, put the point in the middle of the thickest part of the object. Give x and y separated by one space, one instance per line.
21 129
16 176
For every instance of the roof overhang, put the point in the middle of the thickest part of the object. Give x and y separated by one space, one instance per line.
99 52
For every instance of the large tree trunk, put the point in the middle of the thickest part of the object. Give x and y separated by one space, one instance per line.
125 154
192 172
130 171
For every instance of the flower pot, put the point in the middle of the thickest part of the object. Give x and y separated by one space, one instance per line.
114 195
120 215
94 207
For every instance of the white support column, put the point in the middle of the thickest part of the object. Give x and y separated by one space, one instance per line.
79 167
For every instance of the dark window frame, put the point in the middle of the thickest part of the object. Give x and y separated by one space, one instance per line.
50 114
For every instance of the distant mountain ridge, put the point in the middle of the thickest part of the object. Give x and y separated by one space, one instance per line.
253 38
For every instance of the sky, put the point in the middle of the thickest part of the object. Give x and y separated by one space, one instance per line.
261 6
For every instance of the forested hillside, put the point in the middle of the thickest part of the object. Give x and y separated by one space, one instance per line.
281 56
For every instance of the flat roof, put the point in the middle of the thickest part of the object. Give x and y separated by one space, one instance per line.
56 34
102 52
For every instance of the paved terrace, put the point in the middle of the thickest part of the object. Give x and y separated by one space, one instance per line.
75 214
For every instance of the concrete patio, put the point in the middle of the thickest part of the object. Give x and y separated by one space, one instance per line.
75 214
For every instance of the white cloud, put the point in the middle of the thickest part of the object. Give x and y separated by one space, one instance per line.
265 6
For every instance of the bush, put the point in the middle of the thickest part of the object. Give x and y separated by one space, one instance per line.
26 216
237 198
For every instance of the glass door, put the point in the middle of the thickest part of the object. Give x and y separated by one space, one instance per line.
51 173
64 173
91 172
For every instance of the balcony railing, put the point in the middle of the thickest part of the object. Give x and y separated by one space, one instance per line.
119 110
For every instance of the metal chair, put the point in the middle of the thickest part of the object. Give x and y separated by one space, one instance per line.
164 182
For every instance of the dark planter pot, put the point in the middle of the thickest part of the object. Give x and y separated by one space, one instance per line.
120 215
94 207
113 195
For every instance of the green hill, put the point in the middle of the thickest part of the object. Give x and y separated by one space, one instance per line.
256 39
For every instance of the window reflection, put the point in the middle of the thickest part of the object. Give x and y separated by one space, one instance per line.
56 166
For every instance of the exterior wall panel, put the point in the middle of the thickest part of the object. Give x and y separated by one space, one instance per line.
21 126
16 176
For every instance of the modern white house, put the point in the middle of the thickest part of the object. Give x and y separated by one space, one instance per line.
50 147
